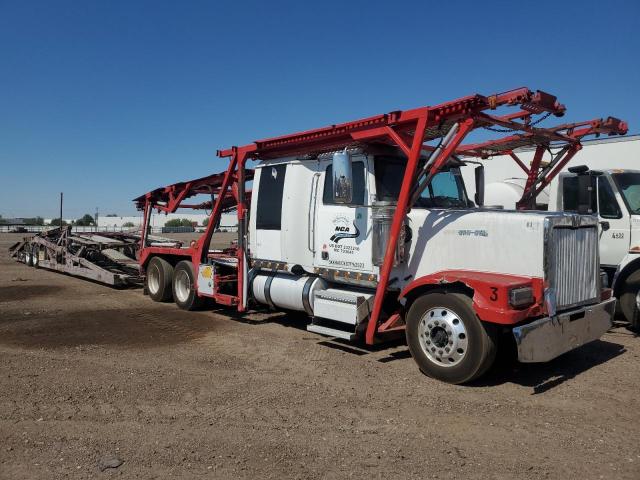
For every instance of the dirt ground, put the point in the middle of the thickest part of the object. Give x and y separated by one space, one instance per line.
89 373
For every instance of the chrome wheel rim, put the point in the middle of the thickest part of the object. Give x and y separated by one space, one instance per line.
183 285
153 279
443 337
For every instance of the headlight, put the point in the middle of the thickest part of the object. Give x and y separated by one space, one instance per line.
521 297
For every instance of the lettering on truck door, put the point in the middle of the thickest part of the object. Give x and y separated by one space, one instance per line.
343 232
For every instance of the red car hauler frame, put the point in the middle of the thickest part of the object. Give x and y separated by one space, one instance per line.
410 131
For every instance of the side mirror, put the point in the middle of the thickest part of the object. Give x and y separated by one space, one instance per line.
342 177
605 225
586 192
479 174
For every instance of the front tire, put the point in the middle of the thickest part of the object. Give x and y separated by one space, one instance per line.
158 279
447 340
184 287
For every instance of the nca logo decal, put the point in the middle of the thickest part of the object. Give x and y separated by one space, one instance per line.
343 229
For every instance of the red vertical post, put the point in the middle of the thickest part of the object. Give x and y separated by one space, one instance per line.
396 225
242 227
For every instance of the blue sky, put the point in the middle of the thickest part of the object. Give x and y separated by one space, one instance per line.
105 100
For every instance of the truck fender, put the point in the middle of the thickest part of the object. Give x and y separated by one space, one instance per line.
629 264
490 293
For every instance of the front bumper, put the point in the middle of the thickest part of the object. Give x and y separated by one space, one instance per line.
547 338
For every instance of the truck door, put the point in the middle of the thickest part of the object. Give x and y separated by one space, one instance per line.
614 242
268 215
343 232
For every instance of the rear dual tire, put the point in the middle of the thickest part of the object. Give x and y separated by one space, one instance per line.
164 283
158 279
184 287
446 338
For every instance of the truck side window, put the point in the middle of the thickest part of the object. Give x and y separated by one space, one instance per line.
570 195
269 213
607 202
358 185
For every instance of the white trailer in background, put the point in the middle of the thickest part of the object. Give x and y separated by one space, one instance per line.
614 171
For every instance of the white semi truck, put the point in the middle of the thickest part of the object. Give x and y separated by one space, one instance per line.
368 228
613 174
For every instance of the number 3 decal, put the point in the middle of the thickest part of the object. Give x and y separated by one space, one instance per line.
494 294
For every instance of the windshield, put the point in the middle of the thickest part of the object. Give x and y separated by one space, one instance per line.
629 185
445 191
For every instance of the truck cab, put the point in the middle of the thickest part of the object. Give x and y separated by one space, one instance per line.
615 199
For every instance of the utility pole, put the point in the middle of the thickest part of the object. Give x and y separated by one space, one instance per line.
96 219
61 195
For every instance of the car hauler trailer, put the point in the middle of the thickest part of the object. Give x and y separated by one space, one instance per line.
108 258
366 227
607 167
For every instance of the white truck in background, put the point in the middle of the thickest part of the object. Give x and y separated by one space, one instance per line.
613 166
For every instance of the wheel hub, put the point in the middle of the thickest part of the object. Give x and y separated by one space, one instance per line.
153 276
183 285
443 336
439 337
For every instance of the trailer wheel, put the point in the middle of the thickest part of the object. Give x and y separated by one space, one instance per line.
35 259
629 300
447 340
28 255
158 279
184 292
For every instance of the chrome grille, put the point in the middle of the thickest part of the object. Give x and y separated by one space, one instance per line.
573 265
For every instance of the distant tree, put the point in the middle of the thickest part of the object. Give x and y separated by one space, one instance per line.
205 222
85 221
128 224
2 220
179 222
56 222
112 215
174 222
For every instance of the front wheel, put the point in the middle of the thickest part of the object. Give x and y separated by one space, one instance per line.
447 340
184 288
